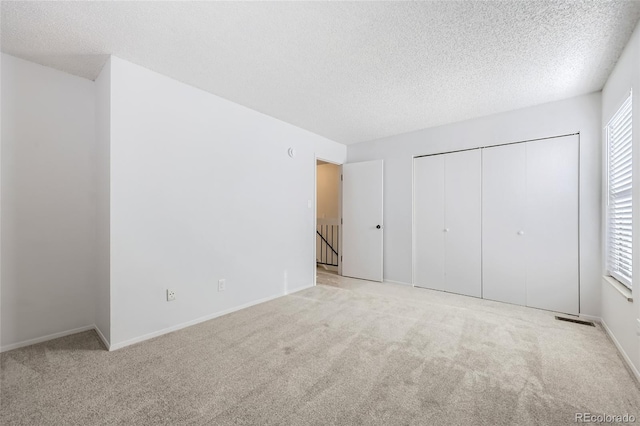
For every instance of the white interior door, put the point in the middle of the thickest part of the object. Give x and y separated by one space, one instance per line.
428 193
552 224
362 237
503 223
463 222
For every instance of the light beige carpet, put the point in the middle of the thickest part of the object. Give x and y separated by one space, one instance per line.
349 352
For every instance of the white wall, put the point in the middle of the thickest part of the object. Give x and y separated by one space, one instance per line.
203 189
1 204
103 205
48 207
580 114
328 192
326 149
619 315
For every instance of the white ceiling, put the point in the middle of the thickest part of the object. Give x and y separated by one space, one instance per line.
351 71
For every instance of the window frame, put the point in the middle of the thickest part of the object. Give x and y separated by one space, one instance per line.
620 115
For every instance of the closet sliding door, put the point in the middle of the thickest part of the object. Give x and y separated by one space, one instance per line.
428 269
503 216
463 225
501 223
552 224
530 224
447 221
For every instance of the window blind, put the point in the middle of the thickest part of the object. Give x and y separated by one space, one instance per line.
619 188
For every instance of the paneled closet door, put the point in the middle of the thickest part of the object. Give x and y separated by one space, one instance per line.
428 269
503 223
463 223
552 224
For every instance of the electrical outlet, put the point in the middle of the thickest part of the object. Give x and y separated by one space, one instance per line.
171 295
222 285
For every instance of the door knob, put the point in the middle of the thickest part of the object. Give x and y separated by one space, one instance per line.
520 232
445 230
378 227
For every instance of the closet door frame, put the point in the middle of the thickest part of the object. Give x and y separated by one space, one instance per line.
413 224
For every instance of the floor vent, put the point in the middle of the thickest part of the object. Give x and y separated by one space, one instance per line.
576 321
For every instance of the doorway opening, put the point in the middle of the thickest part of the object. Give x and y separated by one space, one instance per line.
328 235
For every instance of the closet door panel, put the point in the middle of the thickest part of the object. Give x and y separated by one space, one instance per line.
429 222
552 224
463 224
503 242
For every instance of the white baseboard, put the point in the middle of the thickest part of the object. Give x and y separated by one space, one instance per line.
626 358
45 338
295 290
104 340
129 342
590 318
148 336
397 282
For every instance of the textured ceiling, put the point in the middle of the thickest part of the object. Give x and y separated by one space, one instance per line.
350 71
